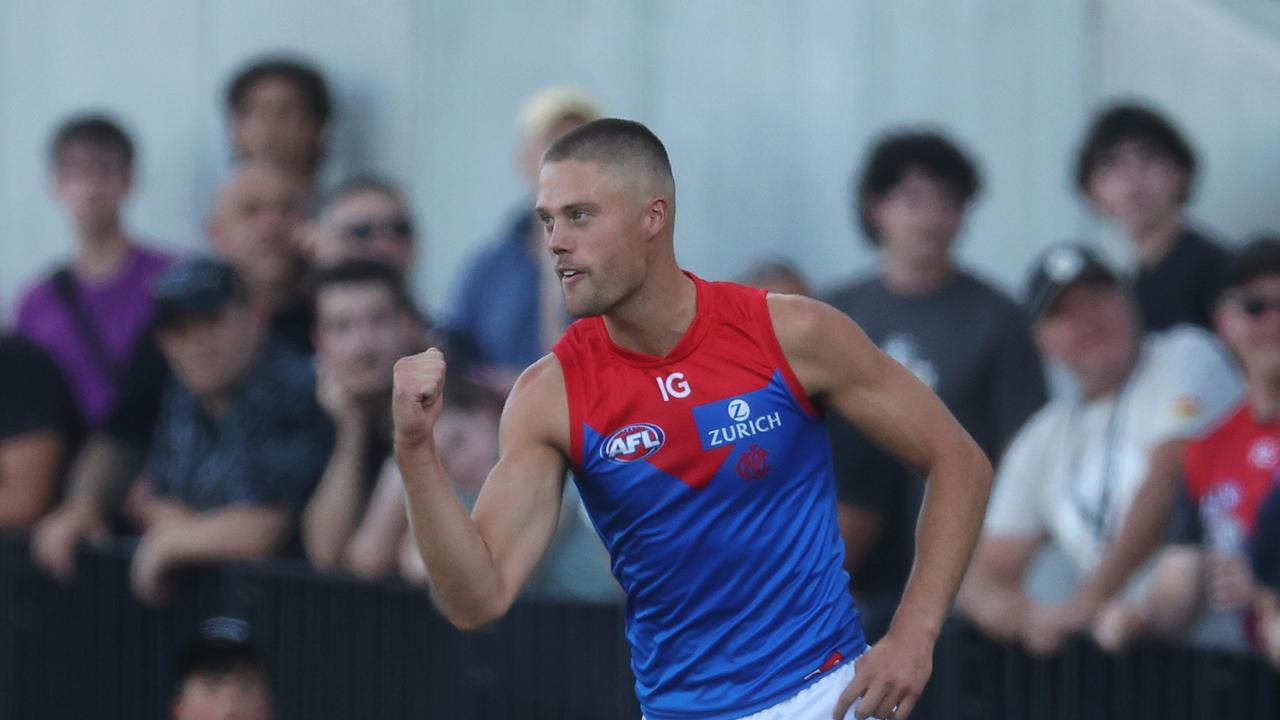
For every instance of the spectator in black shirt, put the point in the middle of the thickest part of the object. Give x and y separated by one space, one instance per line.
1138 171
241 440
364 325
38 425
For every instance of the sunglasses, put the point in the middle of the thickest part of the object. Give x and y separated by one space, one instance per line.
398 227
1256 307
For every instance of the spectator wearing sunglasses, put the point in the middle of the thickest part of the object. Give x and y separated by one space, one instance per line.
1138 171
365 218
507 309
1228 474
1096 472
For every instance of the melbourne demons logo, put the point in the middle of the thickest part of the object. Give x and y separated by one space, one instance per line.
633 442
754 464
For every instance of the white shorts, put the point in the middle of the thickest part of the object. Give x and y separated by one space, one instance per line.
815 702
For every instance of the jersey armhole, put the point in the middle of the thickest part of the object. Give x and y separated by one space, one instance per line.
573 393
769 339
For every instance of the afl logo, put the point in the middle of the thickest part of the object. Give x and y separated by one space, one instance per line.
633 442
739 410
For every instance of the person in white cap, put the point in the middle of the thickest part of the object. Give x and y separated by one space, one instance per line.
1095 472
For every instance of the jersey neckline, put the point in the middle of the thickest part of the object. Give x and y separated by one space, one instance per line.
689 341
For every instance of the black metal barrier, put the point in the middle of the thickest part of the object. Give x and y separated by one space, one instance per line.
344 649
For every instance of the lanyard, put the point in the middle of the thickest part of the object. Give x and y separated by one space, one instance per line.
1097 518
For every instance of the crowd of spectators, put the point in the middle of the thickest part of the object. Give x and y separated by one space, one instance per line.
234 404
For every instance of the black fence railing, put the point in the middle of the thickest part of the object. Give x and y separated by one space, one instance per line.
344 649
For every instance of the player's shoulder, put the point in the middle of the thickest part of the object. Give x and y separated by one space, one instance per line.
543 379
799 321
538 404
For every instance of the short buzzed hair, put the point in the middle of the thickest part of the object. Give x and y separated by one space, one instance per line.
614 142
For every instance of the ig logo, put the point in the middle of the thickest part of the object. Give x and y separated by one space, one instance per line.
673 386
739 410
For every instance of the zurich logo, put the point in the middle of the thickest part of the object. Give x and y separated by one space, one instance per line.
739 410
633 442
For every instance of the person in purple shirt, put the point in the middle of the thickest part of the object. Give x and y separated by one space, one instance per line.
89 313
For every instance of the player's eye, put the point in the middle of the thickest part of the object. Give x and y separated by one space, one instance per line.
578 215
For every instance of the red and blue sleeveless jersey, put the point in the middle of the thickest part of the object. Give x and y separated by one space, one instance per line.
708 475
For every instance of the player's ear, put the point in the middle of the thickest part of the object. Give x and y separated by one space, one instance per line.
657 215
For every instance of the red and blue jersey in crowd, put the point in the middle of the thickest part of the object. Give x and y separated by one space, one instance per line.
708 475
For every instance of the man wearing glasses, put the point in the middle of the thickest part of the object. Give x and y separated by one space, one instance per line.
1095 471
365 218
1228 474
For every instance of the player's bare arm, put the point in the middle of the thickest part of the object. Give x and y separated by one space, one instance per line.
477 563
842 369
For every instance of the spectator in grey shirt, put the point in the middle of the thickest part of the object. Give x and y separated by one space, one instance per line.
963 338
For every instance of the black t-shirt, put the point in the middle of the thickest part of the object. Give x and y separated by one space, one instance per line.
33 393
1183 285
294 325
870 480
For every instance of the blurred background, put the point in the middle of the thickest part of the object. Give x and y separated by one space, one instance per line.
113 459
764 106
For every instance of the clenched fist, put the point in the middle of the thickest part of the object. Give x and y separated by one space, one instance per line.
418 396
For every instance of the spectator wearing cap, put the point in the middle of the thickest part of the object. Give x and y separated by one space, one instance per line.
959 335
221 675
1137 170
1265 557
252 227
90 312
279 112
507 309
1094 472
1227 475
240 442
365 323
39 425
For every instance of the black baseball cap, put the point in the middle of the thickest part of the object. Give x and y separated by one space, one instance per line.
200 287
220 646
1259 258
1061 267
